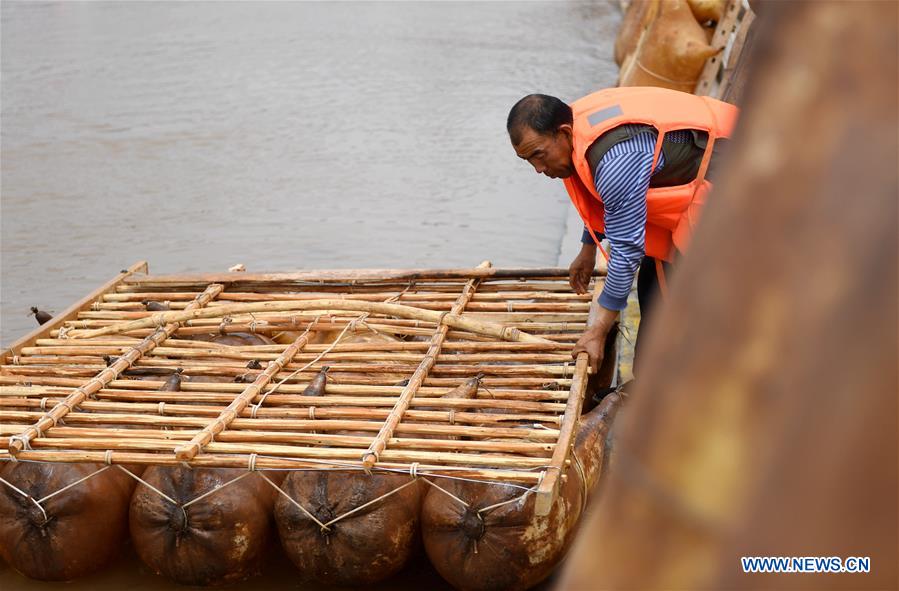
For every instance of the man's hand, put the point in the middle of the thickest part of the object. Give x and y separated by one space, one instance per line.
593 341
581 269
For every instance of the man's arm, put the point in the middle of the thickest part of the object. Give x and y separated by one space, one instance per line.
622 179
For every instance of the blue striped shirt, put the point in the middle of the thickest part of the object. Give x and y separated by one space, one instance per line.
622 179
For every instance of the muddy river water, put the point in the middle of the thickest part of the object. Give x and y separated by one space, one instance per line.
278 135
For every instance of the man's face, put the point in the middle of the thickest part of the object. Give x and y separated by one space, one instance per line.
549 154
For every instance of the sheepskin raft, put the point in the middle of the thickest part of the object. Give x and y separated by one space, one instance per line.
330 404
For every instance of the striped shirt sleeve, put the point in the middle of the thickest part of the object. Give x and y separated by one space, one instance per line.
622 179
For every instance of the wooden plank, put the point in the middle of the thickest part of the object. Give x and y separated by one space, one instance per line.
70 313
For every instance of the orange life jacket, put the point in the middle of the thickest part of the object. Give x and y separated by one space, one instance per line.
672 212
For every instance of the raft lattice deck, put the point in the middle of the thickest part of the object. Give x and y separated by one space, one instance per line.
382 409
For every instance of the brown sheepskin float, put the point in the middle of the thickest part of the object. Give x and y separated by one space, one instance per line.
83 528
510 547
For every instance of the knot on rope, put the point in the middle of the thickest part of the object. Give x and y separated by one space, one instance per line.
96 305
107 457
158 320
413 470
251 463
63 332
26 442
44 404
15 360
225 322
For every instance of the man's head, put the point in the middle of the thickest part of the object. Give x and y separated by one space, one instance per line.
540 129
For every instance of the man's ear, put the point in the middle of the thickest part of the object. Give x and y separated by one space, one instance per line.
566 129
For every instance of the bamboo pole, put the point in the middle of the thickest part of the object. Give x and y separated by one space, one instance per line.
356 382
304 402
370 457
548 488
288 425
317 439
273 463
354 275
446 458
313 348
107 375
187 452
454 320
153 394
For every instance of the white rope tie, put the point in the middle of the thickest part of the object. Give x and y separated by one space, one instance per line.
509 306
413 470
452 416
44 404
295 503
251 463
215 490
107 457
311 413
518 499
308 365
147 484
368 504
77 482
660 77
161 408
15 360
27 496
63 332
26 442
446 492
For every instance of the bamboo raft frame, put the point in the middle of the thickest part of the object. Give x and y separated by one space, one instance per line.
62 401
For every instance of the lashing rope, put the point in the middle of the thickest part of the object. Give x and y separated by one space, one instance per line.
274 388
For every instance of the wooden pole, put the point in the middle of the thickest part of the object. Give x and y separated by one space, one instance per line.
450 319
548 488
354 276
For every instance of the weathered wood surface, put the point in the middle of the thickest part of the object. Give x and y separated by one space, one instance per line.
766 422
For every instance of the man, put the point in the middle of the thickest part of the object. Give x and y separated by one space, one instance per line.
636 164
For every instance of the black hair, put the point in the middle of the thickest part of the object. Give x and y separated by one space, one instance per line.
541 112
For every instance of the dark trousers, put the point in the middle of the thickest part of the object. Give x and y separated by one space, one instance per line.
648 294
